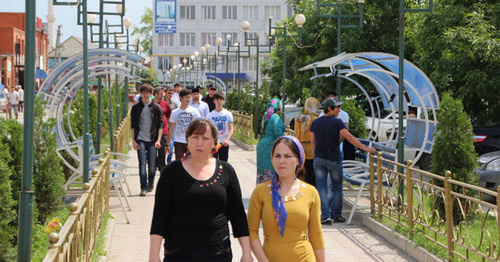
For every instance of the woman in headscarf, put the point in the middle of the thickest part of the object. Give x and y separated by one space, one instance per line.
290 210
302 125
272 128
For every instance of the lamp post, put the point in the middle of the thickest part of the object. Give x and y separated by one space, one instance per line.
300 19
339 17
197 64
127 22
231 49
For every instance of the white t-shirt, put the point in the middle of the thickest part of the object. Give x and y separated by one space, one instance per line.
182 119
202 107
13 97
21 94
221 120
175 98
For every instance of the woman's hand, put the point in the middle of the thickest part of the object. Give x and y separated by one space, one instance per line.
154 259
246 258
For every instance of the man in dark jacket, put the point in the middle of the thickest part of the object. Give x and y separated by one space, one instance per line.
147 131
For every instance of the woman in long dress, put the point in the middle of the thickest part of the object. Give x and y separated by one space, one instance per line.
290 210
272 128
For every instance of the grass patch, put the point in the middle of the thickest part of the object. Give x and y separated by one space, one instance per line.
100 249
39 242
244 139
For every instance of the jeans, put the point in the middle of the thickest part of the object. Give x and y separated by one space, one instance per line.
169 157
321 169
160 161
13 107
147 151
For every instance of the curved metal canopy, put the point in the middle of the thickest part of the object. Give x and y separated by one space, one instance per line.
382 70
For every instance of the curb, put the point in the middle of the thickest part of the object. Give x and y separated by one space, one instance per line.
243 145
398 240
108 239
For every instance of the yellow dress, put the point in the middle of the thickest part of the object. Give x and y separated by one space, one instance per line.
303 232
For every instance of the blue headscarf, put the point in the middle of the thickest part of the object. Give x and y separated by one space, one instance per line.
279 211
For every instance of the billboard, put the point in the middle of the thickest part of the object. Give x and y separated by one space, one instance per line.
165 16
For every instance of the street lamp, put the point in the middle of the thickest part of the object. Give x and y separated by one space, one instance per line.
300 19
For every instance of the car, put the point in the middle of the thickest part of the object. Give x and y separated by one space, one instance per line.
3 100
487 139
489 173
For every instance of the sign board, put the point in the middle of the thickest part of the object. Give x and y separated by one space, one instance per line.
165 17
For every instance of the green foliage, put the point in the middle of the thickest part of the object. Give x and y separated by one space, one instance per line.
7 213
453 145
148 76
357 118
146 30
77 117
11 135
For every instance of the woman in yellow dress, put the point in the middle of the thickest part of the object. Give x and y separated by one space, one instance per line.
290 210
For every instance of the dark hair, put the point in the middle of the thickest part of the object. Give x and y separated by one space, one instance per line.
195 90
184 92
169 88
157 90
146 88
177 84
293 147
331 93
199 127
219 95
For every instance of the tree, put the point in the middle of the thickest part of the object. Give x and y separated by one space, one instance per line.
145 31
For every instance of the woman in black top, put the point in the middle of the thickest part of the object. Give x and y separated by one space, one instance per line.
195 198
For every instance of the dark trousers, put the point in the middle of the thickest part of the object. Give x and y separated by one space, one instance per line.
222 153
160 160
309 168
180 149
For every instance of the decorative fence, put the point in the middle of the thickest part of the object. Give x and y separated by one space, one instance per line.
78 236
469 229
243 124
122 135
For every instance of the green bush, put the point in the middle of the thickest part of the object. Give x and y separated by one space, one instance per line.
357 118
453 147
7 213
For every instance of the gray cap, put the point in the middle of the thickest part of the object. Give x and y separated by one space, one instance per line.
331 102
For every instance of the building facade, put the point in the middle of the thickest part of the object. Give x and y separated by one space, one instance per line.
12 44
202 22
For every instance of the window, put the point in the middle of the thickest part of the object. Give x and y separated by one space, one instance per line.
252 38
229 12
187 39
187 12
248 64
274 11
209 38
165 39
234 38
208 12
250 12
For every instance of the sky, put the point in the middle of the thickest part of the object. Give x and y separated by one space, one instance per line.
67 15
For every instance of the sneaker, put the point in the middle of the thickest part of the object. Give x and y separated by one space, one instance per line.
150 188
326 221
143 193
339 220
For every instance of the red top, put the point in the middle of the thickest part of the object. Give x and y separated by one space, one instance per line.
165 108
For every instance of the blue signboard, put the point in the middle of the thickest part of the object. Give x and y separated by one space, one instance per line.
165 17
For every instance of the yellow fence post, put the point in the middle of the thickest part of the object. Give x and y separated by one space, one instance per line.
372 185
409 195
448 205
379 185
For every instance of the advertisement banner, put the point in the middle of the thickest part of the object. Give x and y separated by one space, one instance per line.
165 16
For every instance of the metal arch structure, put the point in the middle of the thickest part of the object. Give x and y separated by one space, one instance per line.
210 79
61 86
382 70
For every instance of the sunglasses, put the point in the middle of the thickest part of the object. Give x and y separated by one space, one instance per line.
170 93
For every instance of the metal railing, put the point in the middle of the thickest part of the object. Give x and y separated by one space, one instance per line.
243 124
78 236
425 194
121 138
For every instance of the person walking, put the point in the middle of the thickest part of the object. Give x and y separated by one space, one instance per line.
198 104
195 199
169 92
175 97
179 121
21 98
165 109
272 128
223 121
302 132
147 130
209 99
13 102
288 208
327 132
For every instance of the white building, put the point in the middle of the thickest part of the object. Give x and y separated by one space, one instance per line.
199 22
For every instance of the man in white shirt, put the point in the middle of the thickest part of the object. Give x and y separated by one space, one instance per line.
179 121
13 102
21 98
175 97
198 104
223 120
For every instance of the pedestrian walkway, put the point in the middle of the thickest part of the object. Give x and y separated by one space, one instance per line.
130 242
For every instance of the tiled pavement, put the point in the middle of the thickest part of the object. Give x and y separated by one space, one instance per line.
130 242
